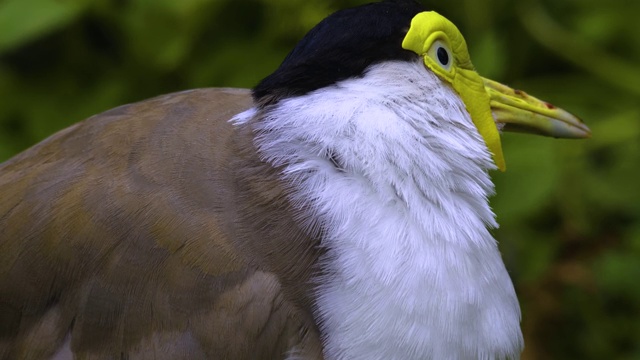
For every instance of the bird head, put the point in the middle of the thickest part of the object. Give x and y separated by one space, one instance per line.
490 104
346 44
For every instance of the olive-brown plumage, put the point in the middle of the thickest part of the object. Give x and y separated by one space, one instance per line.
338 210
125 235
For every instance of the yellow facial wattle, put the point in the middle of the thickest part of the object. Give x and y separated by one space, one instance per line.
430 36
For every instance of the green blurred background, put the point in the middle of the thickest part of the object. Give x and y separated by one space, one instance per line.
569 210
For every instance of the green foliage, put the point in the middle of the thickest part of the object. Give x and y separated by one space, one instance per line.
569 210
43 16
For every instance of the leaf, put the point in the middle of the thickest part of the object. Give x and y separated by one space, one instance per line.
24 20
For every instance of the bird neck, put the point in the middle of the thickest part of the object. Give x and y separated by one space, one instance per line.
391 171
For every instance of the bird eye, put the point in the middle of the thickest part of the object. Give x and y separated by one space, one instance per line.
441 54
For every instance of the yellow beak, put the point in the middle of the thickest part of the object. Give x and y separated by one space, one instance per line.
491 105
515 110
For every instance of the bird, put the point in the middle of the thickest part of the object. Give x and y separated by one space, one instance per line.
337 210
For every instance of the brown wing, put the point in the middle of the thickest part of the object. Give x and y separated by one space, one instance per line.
116 241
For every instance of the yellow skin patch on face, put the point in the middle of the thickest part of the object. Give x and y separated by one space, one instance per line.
429 32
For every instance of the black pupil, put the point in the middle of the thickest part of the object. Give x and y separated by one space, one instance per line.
443 56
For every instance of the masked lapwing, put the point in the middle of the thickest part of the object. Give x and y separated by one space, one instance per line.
338 210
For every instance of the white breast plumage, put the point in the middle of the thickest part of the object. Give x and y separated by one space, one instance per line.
393 172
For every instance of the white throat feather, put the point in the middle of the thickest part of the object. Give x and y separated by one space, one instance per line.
390 168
